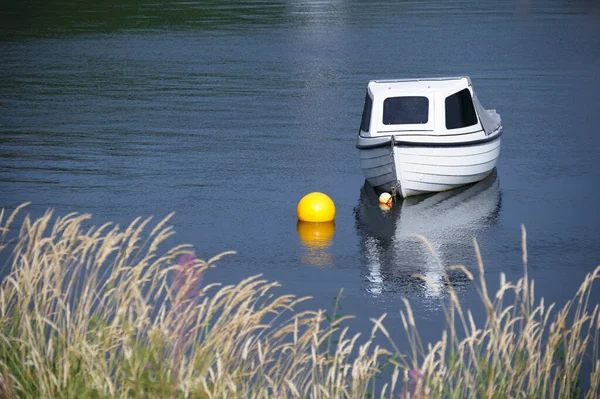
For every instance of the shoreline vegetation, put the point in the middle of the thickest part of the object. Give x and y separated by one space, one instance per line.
100 312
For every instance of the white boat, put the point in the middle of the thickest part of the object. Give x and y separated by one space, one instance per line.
421 136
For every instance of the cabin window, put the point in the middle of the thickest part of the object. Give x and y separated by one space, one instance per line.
405 110
366 115
460 111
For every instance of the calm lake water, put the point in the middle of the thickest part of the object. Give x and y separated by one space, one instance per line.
229 112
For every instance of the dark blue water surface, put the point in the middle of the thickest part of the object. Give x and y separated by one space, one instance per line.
229 112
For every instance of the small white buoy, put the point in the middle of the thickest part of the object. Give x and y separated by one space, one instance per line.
385 199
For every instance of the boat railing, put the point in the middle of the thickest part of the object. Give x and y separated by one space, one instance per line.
422 79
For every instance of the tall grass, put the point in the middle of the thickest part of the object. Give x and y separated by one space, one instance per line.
524 349
103 311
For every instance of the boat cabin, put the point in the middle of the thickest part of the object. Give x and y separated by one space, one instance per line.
424 107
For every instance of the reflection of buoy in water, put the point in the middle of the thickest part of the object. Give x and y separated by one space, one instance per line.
384 207
385 199
316 238
316 207
316 235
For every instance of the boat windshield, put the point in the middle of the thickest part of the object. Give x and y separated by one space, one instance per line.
460 111
409 110
366 115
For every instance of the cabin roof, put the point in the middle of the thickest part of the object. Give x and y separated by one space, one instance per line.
424 85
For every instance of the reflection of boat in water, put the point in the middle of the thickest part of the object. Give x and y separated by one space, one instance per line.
449 220
316 237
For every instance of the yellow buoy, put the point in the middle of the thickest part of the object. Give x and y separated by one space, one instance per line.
316 207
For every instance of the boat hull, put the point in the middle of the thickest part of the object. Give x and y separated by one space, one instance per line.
413 169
